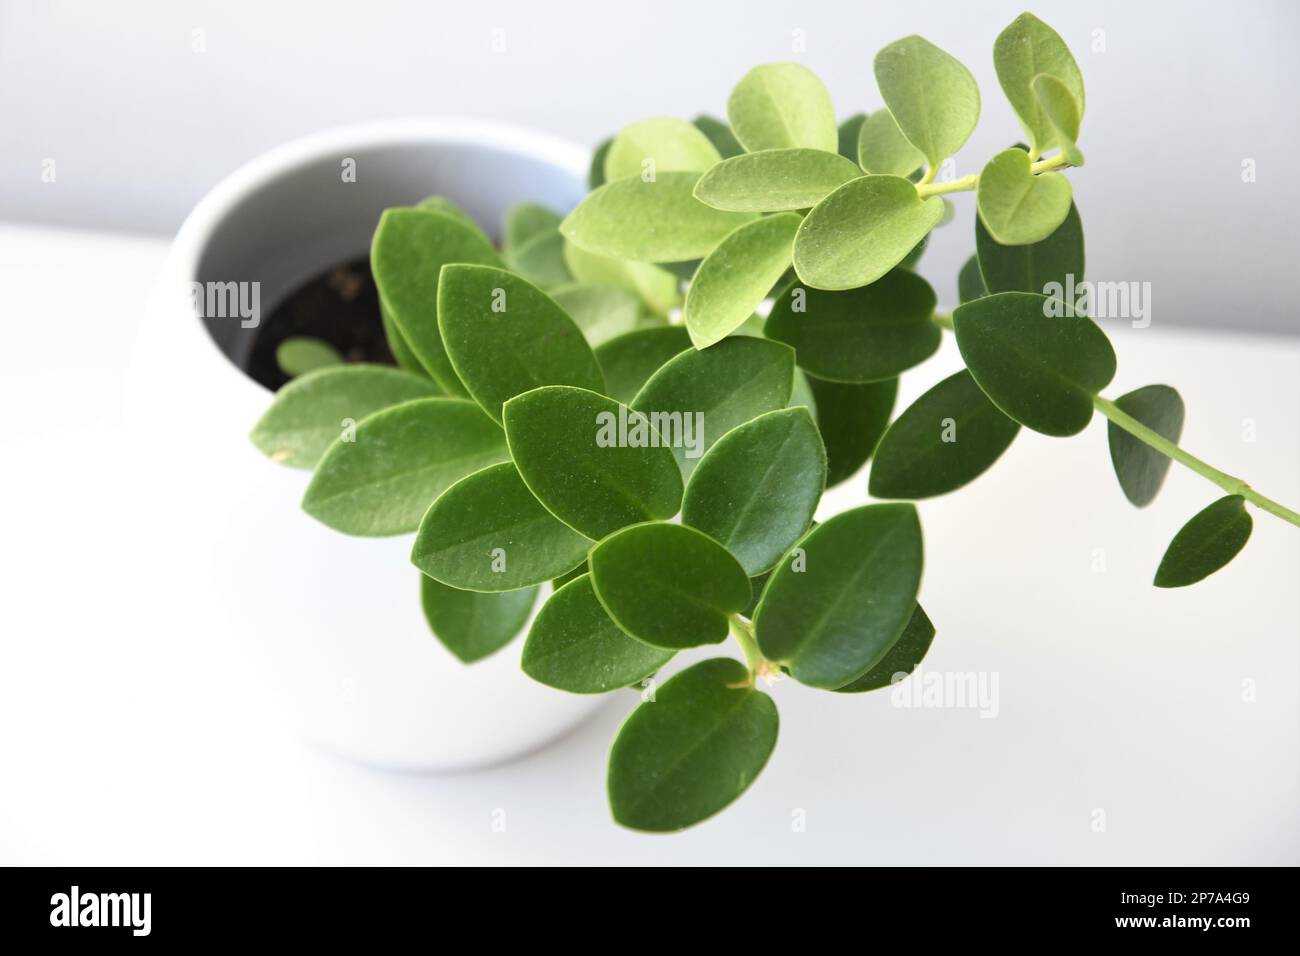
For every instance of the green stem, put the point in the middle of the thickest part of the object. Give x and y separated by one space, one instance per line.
943 320
925 188
744 634
1233 486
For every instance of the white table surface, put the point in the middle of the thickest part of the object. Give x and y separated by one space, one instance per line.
133 731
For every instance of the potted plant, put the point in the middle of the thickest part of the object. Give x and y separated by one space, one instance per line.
567 421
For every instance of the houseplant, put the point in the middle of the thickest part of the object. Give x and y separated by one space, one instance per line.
570 428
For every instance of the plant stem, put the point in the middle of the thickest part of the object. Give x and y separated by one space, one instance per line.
1043 165
943 320
1233 486
744 634
925 188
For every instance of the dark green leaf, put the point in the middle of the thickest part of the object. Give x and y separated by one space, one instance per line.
902 658
473 625
720 135
400 348
848 134
851 419
1140 468
970 284
1206 543
596 174
630 359
1033 268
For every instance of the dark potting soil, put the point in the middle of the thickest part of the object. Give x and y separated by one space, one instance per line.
340 306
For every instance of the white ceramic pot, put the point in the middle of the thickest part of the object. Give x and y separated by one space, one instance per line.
335 622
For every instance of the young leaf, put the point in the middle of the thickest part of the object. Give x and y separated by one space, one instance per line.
1062 111
1041 367
1035 267
756 490
861 231
949 436
1023 50
698 397
573 645
837 603
851 419
383 480
629 360
409 248
736 276
782 106
691 751
314 409
473 625
1140 468
1210 540
301 354
505 336
662 144
849 131
1016 206
656 221
720 135
657 287
488 533
668 585
862 335
774 180
970 284
540 260
527 220
593 463
602 312
934 99
899 660
882 147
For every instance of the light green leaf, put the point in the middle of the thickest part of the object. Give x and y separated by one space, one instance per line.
1210 540
505 336
668 585
882 147
1063 112
900 659
573 645
1023 50
658 288
948 437
861 231
1040 364
527 220
970 283
1035 267
782 106
838 602
300 354
402 458
473 625
1140 468
662 144
720 135
445 207
1016 206
851 419
629 360
540 260
658 221
691 751
735 277
774 179
602 312
313 410
594 464
861 335
488 533
934 99
756 490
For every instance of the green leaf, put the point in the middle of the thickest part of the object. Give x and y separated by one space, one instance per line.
594 464
774 179
1016 206
838 602
691 751
657 221
527 220
948 437
933 98
862 335
698 397
1140 468
1023 50
900 659
398 345
861 231
782 106
629 360
1063 112
662 144
657 287
1033 268
756 490
736 276
848 135
314 409
882 147
1210 540
1041 367
568 576
402 458
801 394
668 585
488 533
851 419
573 645
445 207
300 354
409 248
970 284
602 312
540 260
473 625
720 135
596 174
505 336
